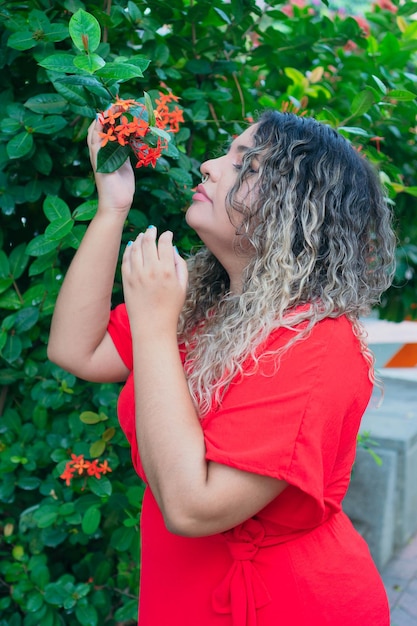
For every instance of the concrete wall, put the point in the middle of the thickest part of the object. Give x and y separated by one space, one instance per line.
382 499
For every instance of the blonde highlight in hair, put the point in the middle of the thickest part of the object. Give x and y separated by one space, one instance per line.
321 234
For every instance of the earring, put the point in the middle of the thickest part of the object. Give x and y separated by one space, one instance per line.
204 178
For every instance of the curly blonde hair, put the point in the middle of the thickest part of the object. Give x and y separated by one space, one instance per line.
320 228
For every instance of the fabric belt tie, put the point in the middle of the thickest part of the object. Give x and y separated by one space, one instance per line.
243 590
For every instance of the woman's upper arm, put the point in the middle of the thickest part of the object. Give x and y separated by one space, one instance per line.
104 364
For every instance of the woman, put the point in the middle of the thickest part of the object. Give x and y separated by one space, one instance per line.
246 377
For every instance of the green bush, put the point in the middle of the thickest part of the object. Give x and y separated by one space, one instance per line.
69 553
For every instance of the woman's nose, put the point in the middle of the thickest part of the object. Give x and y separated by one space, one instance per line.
211 168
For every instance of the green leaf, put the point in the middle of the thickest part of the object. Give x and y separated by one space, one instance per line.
55 32
401 95
85 31
362 103
108 434
127 612
10 301
91 520
381 85
39 265
20 145
34 601
97 448
12 348
73 94
74 238
199 66
40 245
4 265
89 417
181 177
10 126
91 83
123 538
138 61
86 614
61 63
5 284
149 109
89 63
46 515
223 15
111 157
55 208
47 103
353 130
160 133
50 125
55 594
100 486
34 295
193 94
120 72
23 40
18 261
29 483
86 210
59 228
25 319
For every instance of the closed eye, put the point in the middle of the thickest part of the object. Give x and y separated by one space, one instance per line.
238 166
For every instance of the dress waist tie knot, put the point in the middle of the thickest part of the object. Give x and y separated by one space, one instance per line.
243 590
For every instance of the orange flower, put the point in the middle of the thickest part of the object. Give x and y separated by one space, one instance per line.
93 469
79 465
104 467
125 104
109 117
107 136
68 474
130 130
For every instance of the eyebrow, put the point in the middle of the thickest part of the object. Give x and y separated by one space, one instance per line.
240 148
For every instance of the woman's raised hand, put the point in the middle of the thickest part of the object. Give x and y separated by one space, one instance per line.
115 190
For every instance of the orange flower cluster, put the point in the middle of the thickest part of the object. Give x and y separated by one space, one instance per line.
127 129
78 466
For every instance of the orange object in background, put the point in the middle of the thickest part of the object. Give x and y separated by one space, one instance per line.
405 357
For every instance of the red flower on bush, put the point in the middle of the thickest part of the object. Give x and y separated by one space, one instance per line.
134 124
78 465
386 4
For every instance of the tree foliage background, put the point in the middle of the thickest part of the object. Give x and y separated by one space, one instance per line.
69 553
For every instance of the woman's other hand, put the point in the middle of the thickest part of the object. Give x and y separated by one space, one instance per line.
155 282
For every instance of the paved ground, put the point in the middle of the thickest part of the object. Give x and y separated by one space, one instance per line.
400 578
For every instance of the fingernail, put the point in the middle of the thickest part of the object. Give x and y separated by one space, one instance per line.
176 249
129 243
151 226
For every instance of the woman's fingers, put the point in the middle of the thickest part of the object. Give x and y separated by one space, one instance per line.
157 256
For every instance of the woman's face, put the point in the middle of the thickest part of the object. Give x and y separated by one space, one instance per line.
208 215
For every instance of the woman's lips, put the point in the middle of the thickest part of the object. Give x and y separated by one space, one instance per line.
200 195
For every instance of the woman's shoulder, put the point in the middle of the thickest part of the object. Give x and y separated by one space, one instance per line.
332 333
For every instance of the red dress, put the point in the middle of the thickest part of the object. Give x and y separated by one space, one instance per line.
299 561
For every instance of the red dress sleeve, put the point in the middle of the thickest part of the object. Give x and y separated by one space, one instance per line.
119 330
299 422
